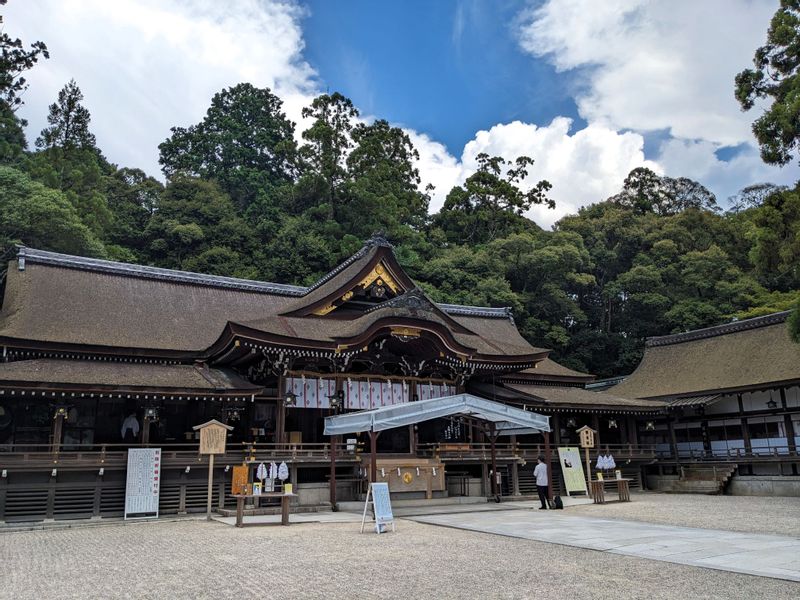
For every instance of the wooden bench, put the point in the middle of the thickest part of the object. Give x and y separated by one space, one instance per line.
598 490
285 499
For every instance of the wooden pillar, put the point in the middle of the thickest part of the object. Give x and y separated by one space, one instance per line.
596 427
748 446
672 439
334 441
58 431
373 451
556 420
146 431
280 420
788 425
633 434
548 462
493 450
705 436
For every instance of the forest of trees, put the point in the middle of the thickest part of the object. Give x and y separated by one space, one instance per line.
244 198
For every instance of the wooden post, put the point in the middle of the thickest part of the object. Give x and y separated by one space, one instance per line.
748 446
58 428
146 431
788 427
588 471
596 427
280 424
334 439
373 450
673 440
548 456
557 429
210 486
492 441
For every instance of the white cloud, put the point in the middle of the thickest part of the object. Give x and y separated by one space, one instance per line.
649 64
584 167
147 65
697 160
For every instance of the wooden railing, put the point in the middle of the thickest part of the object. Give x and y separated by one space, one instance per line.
173 455
455 450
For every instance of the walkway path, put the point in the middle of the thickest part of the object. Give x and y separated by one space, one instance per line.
764 555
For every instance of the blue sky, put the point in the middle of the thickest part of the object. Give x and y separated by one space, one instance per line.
446 68
588 89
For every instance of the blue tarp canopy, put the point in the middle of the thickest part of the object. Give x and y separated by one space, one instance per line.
507 420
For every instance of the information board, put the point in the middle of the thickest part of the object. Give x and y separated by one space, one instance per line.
572 469
143 483
378 496
239 479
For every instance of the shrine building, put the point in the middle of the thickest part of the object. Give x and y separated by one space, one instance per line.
101 356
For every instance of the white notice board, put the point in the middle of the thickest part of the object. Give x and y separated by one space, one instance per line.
143 483
378 495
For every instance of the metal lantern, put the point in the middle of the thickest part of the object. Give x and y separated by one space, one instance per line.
290 399
612 423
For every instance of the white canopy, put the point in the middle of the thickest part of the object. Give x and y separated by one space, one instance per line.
507 419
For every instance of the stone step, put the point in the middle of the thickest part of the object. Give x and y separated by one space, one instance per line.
416 503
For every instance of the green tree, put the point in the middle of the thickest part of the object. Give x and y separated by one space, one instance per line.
68 122
133 198
491 204
776 249
775 76
245 143
383 193
644 191
328 140
196 227
35 215
15 60
794 323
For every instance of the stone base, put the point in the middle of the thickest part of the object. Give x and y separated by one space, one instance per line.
745 485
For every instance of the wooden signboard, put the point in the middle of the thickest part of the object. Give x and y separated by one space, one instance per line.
212 437
212 441
587 436
239 479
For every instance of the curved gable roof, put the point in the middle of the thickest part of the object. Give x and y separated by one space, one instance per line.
737 356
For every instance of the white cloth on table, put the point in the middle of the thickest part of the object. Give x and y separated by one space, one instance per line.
283 472
273 470
261 471
610 462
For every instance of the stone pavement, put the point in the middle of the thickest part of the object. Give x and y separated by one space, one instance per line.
753 554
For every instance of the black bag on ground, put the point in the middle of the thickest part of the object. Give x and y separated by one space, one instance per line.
556 503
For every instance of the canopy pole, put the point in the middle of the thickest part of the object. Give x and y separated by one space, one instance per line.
492 441
548 461
373 466
334 440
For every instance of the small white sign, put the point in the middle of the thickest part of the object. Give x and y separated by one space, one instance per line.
378 496
143 483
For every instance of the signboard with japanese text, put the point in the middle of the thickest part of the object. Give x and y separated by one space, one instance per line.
212 439
378 496
572 470
143 483
239 479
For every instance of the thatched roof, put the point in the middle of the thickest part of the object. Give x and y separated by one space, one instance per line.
558 397
549 370
748 354
122 376
60 301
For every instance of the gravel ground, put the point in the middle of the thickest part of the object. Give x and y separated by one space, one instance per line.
748 514
196 559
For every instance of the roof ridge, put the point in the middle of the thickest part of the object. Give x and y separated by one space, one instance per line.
717 330
47 257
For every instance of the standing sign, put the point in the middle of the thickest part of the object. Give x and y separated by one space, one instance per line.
587 441
142 484
381 507
571 468
212 441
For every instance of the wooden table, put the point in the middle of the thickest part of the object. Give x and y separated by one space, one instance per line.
598 490
285 499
